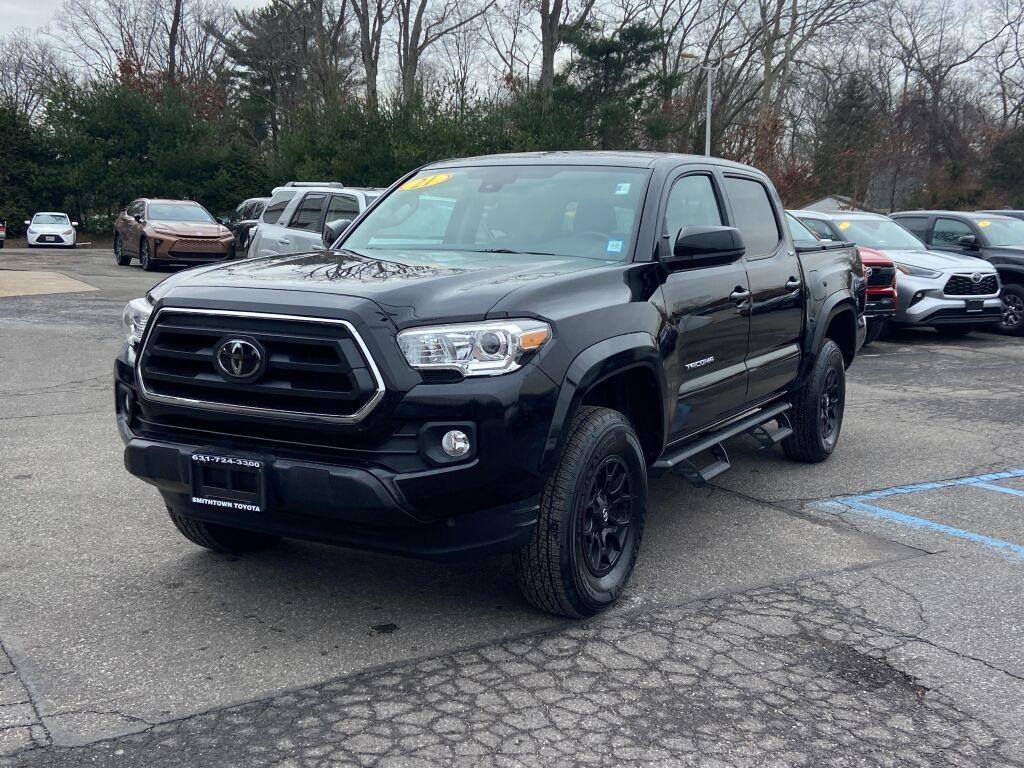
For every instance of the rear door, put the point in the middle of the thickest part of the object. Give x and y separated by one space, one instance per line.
776 285
271 229
708 308
306 225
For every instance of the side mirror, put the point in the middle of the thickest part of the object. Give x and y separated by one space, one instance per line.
704 246
968 241
27 223
138 217
222 220
335 229
74 223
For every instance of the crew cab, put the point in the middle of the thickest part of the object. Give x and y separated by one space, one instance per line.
496 357
997 239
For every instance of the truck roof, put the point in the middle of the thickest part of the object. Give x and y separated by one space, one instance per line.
830 215
973 215
630 159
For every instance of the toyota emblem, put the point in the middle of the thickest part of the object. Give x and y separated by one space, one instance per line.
976 277
239 359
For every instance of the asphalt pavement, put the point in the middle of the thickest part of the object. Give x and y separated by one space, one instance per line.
866 611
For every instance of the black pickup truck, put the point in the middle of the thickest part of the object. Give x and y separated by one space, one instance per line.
494 357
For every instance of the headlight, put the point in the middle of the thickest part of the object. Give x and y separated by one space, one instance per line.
907 269
68 232
475 349
163 231
134 319
31 231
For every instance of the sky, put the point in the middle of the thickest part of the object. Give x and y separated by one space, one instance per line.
37 13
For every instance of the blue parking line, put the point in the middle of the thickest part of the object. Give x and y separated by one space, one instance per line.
1000 488
860 503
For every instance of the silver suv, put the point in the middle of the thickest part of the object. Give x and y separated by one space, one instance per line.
950 292
298 214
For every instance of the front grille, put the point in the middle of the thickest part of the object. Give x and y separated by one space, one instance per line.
881 276
312 369
963 285
186 245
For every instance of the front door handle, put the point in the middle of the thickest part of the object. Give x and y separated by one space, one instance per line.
739 295
792 284
284 242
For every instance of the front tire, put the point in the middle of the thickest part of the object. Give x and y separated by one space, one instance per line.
817 414
145 256
591 520
220 538
953 331
1013 310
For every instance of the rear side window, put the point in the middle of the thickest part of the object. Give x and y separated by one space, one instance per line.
820 228
916 225
276 206
342 207
948 232
692 201
754 214
307 215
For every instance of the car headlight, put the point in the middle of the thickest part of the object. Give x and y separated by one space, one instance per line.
908 269
31 231
68 232
136 315
163 231
475 349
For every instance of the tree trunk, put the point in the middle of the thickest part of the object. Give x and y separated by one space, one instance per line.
550 17
172 46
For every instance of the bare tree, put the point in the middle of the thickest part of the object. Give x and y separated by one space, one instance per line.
373 16
29 67
555 15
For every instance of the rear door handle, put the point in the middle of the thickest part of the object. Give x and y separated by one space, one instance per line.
792 284
739 295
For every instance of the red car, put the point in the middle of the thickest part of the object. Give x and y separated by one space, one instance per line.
3 232
882 301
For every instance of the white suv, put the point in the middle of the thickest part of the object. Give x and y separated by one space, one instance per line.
298 213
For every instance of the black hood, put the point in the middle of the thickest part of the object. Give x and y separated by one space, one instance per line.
411 286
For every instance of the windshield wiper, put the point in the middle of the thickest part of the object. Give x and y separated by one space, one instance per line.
509 250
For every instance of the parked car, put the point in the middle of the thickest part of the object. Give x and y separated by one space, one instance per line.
243 219
3 232
296 217
952 293
1016 214
995 238
50 228
504 379
170 232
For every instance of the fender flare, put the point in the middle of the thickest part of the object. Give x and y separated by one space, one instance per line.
1015 273
589 368
833 306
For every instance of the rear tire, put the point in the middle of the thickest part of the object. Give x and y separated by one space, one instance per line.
1013 310
123 259
874 331
817 414
591 519
953 331
145 256
220 538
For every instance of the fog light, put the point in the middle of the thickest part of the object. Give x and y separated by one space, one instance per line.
128 404
455 443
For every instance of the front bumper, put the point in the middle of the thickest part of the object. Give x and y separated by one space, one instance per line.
378 486
49 238
182 250
923 302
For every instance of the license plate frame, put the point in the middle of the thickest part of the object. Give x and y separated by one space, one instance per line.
229 482
975 305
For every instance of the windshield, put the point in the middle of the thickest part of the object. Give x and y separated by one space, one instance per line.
571 211
1003 231
178 212
51 218
878 233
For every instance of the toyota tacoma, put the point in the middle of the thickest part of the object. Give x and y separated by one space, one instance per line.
494 357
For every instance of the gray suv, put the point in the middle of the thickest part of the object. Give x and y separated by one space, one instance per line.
298 214
953 293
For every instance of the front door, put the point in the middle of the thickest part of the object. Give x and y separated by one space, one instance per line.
776 287
708 308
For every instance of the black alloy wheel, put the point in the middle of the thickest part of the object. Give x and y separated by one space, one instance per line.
606 516
830 408
1013 310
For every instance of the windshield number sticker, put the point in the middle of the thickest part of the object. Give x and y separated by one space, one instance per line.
614 246
425 181
984 223
843 226
622 189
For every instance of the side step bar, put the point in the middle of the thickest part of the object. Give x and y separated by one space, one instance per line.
678 460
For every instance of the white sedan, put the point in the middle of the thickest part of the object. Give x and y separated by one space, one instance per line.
49 228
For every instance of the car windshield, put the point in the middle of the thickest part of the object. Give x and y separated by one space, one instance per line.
1003 231
50 218
179 212
878 233
582 212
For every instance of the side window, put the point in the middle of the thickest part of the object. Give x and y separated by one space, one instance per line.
947 232
755 215
276 206
342 207
691 201
916 225
307 215
820 228
135 208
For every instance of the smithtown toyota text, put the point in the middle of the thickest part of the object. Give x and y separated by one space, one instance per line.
494 356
